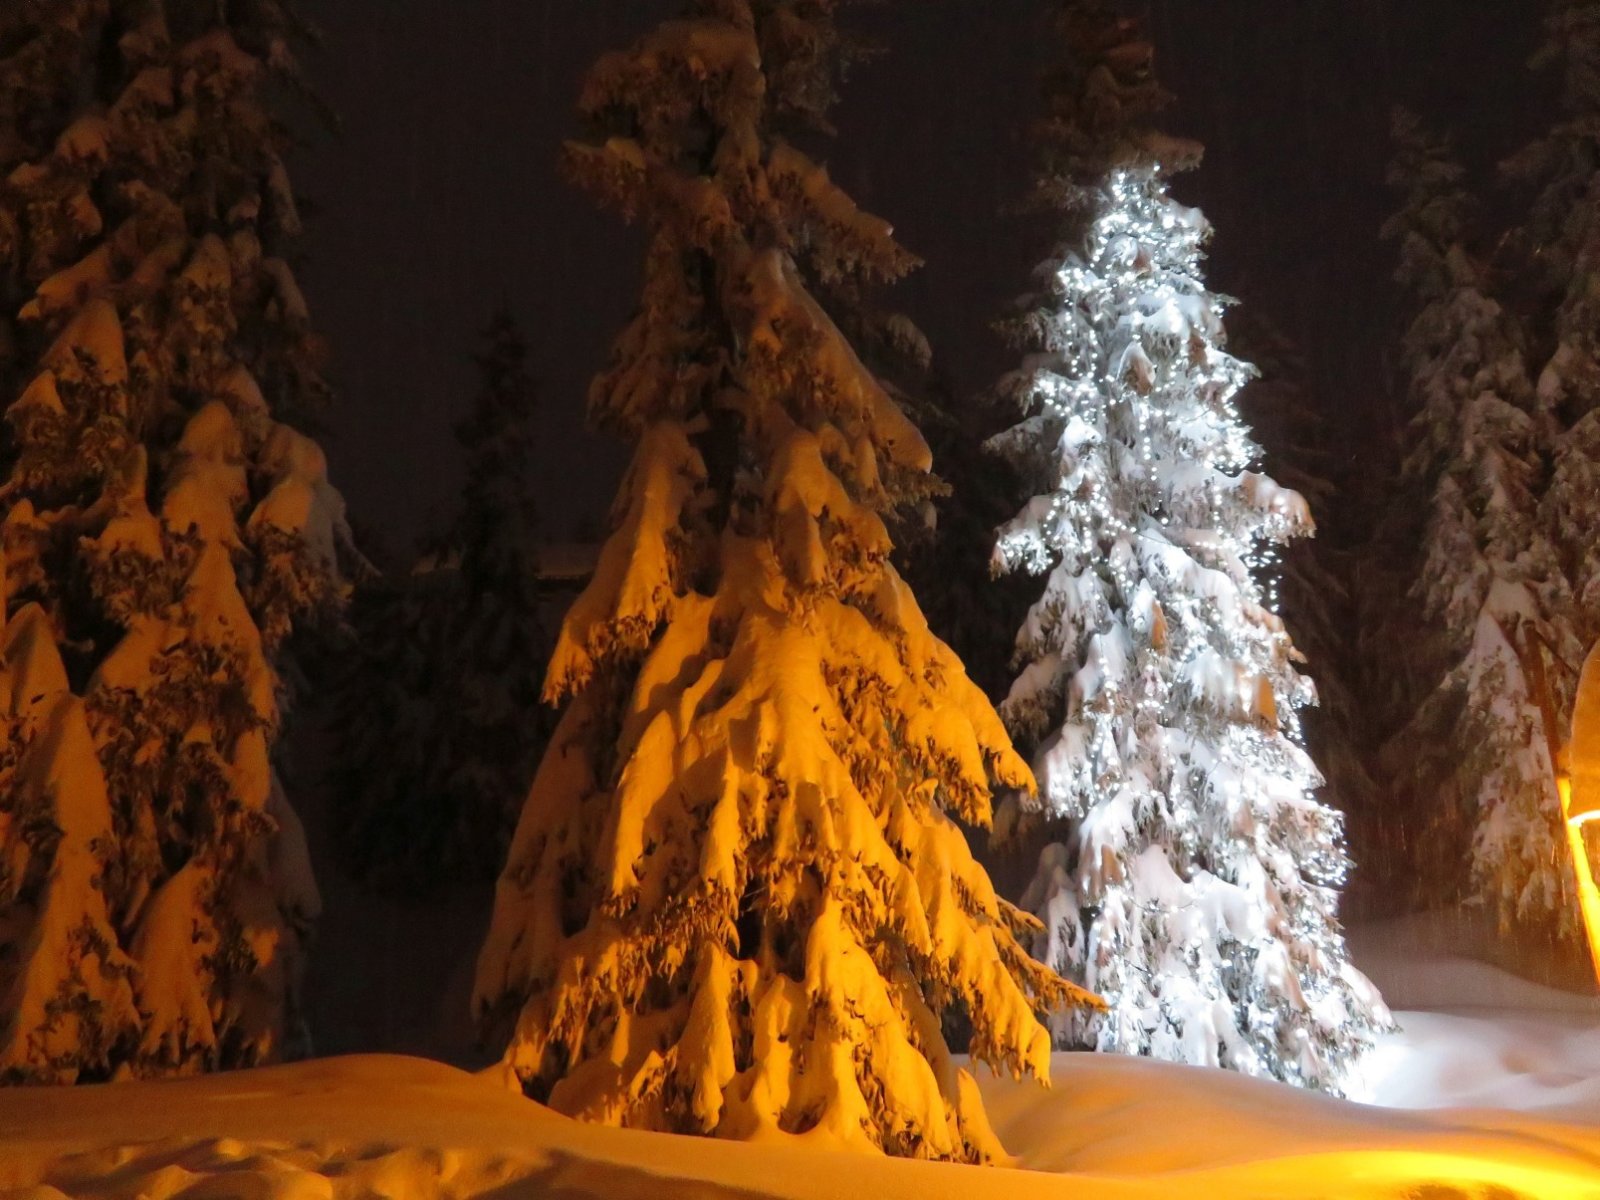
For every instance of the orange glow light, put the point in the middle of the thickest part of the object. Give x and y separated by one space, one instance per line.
1588 893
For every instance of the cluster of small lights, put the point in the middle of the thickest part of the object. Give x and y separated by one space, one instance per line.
1151 498
1129 289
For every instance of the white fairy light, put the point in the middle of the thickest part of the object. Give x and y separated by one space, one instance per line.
1189 744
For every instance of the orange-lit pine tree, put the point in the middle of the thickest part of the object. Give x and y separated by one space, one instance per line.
737 901
163 531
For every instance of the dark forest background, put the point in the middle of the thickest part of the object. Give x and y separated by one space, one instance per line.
439 197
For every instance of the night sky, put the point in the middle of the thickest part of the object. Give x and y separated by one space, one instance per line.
439 196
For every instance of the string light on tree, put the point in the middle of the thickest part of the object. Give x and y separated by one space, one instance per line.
1196 886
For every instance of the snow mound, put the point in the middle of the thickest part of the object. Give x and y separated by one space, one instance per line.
1218 1133
1532 1062
1477 1036
1112 1127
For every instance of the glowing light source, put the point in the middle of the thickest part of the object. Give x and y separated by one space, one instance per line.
1588 892
1579 788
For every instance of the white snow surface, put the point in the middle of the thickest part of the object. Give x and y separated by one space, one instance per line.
1496 1085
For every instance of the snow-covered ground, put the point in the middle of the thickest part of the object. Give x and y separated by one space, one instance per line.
1495 1085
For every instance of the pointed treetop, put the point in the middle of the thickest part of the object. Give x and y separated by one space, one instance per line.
1439 218
1572 46
1103 95
496 426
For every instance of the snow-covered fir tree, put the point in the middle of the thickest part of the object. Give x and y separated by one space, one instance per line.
1494 611
163 532
737 903
946 560
1196 885
1560 272
1314 589
442 722
1426 831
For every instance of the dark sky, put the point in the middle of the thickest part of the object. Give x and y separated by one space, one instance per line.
440 197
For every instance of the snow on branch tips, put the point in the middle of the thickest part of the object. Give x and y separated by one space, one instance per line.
1492 560
737 902
1195 883
166 530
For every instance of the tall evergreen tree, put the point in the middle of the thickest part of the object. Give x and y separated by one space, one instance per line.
1315 588
736 902
1494 611
1405 652
1197 885
163 532
1560 244
944 556
443 723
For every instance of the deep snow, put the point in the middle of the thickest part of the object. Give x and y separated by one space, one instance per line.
1500 1080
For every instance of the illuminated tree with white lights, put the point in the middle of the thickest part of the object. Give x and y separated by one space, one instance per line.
1195 889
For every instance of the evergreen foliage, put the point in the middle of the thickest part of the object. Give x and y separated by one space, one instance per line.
1314 586
1560 241
164 531
736 902
442 722
1559 270
1197 883
1491 613
945 556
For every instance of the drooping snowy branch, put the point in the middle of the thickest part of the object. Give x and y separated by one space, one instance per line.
163 527
1486 576
737 902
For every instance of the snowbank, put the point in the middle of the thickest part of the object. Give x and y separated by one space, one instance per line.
1463 1101
407 1128
1531 1062
1112 1127
1218 1133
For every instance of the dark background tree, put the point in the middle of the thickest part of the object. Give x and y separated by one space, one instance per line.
438 712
